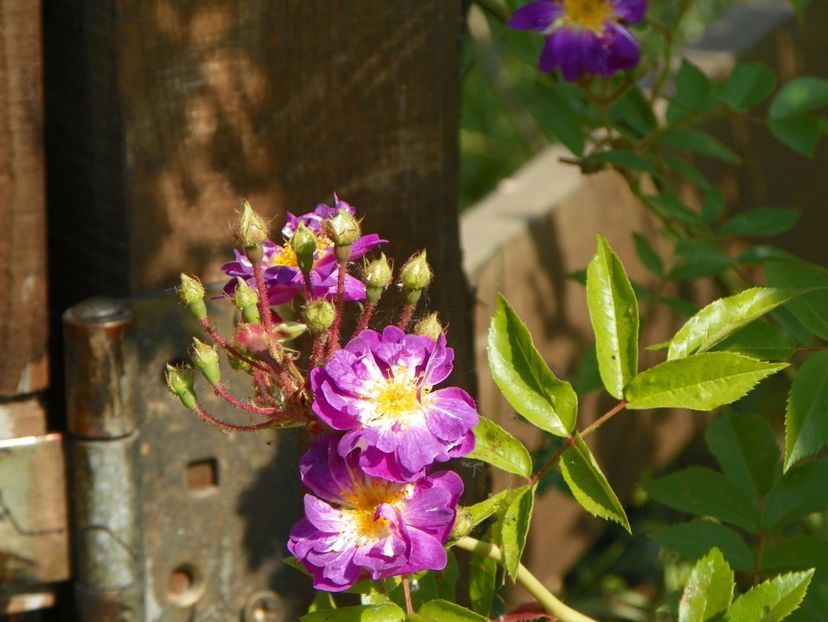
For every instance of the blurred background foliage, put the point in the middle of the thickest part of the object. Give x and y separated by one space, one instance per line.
504 118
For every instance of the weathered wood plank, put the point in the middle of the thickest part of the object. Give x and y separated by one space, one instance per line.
23 310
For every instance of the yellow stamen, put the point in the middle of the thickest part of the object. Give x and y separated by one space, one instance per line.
588 14
287 256
362 503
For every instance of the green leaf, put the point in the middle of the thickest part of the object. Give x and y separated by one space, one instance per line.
692 540
588 484
723 317
763 253
800 491
694 90
699 382
445 581
713 205
647 254
801 132
761 221
699 258
524 378
688 139
322 601
494 445
809 307
760 340
671 207
482 580
388 612
621 158
495 504
772 600
802 94
748 85
746 449
704 492
690 173
806 416
709 589
564 122
796 553
514 528
613 311
444 611
632 114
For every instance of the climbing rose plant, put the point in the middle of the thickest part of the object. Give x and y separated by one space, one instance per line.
382 515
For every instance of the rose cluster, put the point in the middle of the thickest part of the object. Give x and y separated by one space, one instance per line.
374 507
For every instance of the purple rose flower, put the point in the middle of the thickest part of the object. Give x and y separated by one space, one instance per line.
356 523
282 275
583 36
379 390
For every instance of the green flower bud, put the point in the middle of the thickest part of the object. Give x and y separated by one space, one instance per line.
304 245
415 276
191 293
180 381
206 358
319 316
429 326
239 364
462 523
343 230
247 301
251 232
376 275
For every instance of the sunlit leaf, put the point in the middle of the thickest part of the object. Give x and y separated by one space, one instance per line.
589 485
613 310
772 600
700 382
523 377
806 416
514 528
723 317
494 445
444 611
709 589
388 612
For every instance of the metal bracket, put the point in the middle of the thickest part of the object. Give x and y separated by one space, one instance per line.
173 520
34 547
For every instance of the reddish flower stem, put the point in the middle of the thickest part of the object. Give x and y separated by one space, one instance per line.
235 402
409 607
339 301
603 419
222 342
318 351
365 317
264 306
228 427
405 316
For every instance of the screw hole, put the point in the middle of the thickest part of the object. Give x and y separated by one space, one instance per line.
185 585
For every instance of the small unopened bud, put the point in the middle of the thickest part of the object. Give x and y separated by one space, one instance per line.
252 232
191 293
319 316
376 276
343 230
206 358
415 276
429 326
303 243
247 301
180 381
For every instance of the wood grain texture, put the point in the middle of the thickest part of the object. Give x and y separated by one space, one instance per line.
164 113
23 310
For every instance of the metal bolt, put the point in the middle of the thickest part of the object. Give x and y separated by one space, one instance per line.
264 606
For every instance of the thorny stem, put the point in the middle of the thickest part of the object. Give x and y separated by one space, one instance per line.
405 316
569 442
229 427
264 306
525 578
365 317
409 608
339 301
603 418
222 342
318 351
231 399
